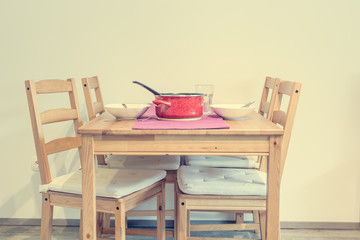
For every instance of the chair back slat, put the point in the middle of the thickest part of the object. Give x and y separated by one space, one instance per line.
279 117
96 106
265 107
271 83
266 103
93 82
58 115
62 144
52 86
286 88
38 119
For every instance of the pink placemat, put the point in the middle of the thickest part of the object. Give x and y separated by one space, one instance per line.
149 121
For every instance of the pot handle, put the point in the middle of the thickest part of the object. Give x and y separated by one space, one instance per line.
158 102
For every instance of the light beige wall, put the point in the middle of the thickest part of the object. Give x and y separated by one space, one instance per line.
171 45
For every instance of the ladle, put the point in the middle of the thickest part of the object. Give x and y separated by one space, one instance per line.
148 88
248 104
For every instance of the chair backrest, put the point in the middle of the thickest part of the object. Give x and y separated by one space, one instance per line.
285 115
38 119
93 107
266 107
267 103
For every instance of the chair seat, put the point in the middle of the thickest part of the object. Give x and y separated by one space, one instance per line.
223 161
167 162
221 181
113 183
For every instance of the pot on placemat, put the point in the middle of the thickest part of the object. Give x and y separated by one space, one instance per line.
177 106
185 106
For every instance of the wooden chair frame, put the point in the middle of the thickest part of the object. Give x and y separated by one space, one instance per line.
239 204
266 107
96 107
116 206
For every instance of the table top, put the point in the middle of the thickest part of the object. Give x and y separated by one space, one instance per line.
253 124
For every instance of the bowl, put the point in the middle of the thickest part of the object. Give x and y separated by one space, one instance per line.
127 111
232 111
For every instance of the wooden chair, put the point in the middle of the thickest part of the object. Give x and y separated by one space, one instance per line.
95 107
116 191
192 200
266 106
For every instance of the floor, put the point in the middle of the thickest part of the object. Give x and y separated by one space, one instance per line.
71 233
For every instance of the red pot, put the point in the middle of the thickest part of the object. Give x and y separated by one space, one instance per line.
179 105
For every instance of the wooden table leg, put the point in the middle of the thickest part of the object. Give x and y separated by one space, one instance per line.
88 188
273 198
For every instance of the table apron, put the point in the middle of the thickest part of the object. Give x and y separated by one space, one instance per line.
247 146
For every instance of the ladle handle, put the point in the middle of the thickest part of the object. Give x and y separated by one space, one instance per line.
248 104
148 88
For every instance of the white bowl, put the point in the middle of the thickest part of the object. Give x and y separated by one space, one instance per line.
232 111
131 111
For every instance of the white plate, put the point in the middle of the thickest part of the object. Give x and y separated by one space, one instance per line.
234 119
132 111
232 111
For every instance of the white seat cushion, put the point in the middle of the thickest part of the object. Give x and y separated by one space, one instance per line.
144 162
221 181
223 161
113 183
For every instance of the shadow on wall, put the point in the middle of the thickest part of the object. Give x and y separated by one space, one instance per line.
60 164
30 197
19 199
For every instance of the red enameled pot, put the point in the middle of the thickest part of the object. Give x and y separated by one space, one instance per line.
179 105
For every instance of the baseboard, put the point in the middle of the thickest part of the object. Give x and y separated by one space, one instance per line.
321 225
37 221
170 223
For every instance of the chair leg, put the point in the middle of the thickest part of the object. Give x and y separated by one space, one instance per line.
262 217
120 225
46 217
99 223
256 216
188 223
81 226
182 220
175 211
161 214
106 220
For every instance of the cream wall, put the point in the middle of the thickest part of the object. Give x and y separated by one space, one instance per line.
171 45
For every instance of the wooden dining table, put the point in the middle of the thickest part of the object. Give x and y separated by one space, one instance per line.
254 135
